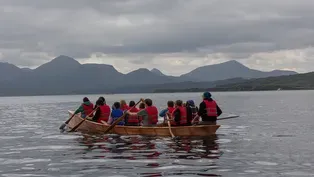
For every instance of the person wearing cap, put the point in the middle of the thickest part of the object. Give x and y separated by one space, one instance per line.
208 110
86 108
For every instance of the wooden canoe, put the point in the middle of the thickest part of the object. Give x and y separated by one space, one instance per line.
93 127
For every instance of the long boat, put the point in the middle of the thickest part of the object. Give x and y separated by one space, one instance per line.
98 128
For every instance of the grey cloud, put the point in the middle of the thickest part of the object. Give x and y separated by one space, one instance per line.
79 28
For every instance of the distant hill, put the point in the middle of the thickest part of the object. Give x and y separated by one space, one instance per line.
65 75
157 71
292 82
229 70
9 72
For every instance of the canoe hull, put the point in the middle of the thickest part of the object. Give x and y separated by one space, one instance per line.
93 127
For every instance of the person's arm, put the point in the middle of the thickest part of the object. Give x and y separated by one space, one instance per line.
219 111
80 109
110 120
96 116
163 113
201 109
143 113
189 115
177 115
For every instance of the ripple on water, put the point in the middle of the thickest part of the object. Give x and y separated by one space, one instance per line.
266 163
48 148
298 173
89 161
223 141
23 161
10 137
251 171
60 137
20 175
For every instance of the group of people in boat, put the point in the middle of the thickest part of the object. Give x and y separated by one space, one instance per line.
178 113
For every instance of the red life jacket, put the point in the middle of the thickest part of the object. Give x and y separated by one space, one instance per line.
183 114
171 109
125 108
152 114
211 108
88 109
104 113
133 118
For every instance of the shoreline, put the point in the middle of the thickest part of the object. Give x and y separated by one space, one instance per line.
159 92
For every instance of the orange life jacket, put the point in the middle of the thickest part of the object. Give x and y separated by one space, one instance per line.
104 113
211 108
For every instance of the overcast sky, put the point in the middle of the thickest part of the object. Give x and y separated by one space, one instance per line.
174 36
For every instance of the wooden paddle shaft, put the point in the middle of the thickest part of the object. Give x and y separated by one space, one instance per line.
73 129
169 126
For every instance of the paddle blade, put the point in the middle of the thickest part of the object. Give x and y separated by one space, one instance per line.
62 126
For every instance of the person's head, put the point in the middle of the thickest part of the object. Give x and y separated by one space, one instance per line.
142 106
148 102
179 103
103 99
190 103
170 104
131 104
122 102
99 102
116 105
85 99
206 95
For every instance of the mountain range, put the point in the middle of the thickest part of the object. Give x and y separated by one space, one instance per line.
65 75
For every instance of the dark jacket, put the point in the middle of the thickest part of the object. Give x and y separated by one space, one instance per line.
202 112
97 113
177 116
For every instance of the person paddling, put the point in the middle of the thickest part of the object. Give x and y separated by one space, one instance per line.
191 110
140 118
132 120
170 108
179 115
116 113
149 114
103 113
208 110
86 108
123 105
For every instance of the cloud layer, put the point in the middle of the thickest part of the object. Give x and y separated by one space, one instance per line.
174 36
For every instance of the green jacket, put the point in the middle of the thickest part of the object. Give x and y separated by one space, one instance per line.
81 109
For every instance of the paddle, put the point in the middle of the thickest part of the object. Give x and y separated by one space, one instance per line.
229 117
224 118
120 118
73 129
64 124
169 126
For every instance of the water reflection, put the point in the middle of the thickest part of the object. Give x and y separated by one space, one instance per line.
163 155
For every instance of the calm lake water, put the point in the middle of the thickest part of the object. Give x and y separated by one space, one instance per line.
272 137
